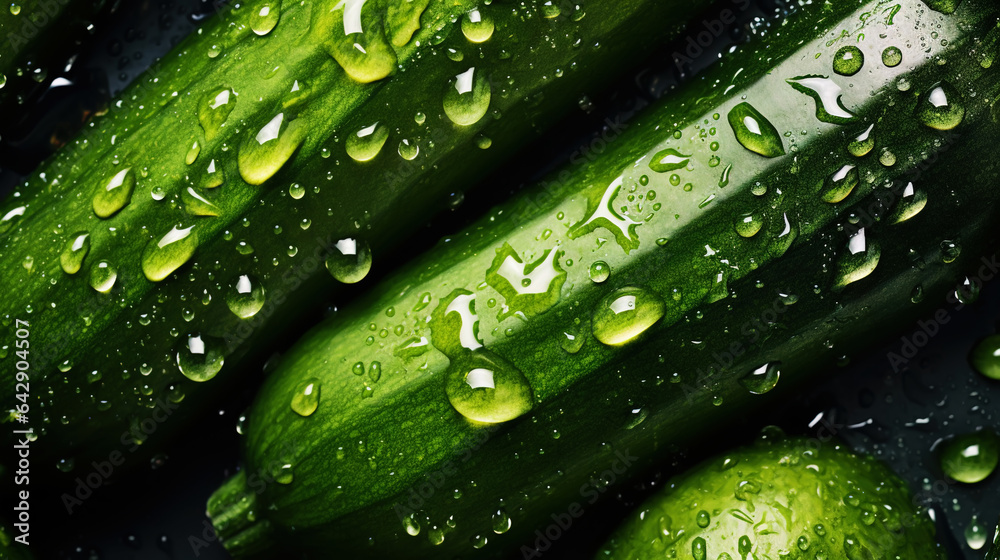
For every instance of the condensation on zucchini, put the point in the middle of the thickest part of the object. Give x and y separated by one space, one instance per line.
246 296
827 95
103 276
408 149
200 357
910 204
349 260
985 357
941 107
625 314
467 97
305 398
365 144
848 61
264 153
213 176
762 379
858 260
197 204
11 218
669 160
754 132
163 256
863 143
840 184
74 252
485 388
265 18
213 110
528 288
971 458
455 324
601 213
477 26
749 224
353 34
115 194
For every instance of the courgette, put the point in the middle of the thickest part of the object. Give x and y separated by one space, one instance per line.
630 305
780 498
281 146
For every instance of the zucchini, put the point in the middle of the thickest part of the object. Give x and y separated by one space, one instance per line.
199 219
780 498
632 304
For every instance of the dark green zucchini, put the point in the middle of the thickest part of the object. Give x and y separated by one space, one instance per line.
278 148
633 304
793 498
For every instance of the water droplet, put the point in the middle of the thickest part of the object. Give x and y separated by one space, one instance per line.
848 61
858 261
941 107
266 152
625 314
357 41
909 205
827 95
75 250
246 297
703 519
748 225
762 379
892 57
296 191
477 27
970 458
15 9
950 250
755 132
485 388
282 473
366 143
213 110
841 184
350 260
164 255
698 548
975 534
669 160
599 271
193 153
200 358
408 150
196 204
103 276
467 97
263 20
501 521
115 194
985 357
483 142
305 399
863 143
943 6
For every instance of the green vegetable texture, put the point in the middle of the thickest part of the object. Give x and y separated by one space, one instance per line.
276 151
786 498
732 242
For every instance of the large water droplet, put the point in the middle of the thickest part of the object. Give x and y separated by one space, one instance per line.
263 19
748 225
350 260
11 218
841 184
910 204
196 204
366 143
858 261
115 194
402 20
477 26
892 57
305 399
975 534
164 255
755 132
985 357
668 160
246 296
826 93
467 97
266 152
213 176
941 107
971 458
599 271
485 388
762 379
213 110
625 314
200 357
74 252
863 143
357 40
848 61
103 276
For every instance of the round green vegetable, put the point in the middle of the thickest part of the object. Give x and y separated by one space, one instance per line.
791 499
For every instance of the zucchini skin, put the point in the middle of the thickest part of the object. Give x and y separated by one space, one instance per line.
814 497
121 348
371 446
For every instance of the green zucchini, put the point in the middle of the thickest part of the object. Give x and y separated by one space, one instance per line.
780 498
193 223
632 304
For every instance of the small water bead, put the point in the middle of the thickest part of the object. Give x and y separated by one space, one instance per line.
483 142
349 260
703 519
625 314
408 150
599 271
976 534
892 57
103 276
245 297
848 61
367 143
485 388
15 9
282 473
419 118
941 107
305 399
296 191
971 458
763 379
200 358
477 26
74 252
467 97
501 521
950 251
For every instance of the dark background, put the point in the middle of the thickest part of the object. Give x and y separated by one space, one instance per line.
152 512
